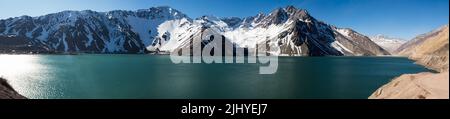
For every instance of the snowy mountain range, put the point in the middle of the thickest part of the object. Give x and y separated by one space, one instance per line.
156 29
388 43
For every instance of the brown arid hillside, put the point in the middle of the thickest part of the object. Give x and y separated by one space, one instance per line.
433 53
7 92
430 50
407 48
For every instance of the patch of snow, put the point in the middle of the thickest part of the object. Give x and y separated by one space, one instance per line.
145 28
177 31
43 36
338 46
249 37
90 39
66 47
344 32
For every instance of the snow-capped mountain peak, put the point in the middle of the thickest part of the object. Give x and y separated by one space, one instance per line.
293 30
384 37
388 43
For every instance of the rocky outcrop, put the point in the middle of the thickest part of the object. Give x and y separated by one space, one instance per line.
415 86
432 51
7 92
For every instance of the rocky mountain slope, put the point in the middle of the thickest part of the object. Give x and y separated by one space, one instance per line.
432 51
388 43
88 31
288 31
7 92
291 31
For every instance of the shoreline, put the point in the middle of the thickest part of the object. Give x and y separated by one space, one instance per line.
423 85
8 92
433 84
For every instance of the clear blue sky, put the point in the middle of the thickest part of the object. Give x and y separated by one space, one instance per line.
397 18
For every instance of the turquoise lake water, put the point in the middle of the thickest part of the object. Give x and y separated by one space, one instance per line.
156 77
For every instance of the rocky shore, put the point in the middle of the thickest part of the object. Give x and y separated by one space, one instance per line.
415 86
7 92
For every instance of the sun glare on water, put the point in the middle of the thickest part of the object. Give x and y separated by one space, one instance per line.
23 72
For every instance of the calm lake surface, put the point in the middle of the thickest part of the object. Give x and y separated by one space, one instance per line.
156 77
